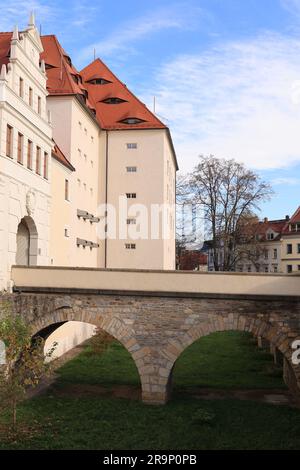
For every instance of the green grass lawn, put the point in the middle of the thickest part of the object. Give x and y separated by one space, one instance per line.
229 360
226 360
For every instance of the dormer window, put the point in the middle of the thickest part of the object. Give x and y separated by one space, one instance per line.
114 100
75 78
68 60
132 120
270 236
98 81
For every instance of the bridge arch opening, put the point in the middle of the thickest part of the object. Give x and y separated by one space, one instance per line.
27 243
262 332
118 353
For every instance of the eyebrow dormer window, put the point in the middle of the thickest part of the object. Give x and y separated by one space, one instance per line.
98 81
49 66
114 100
132 120
68 59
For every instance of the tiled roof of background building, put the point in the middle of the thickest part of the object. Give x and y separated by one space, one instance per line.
291 226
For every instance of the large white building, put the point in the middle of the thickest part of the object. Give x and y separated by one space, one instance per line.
75 149
25 149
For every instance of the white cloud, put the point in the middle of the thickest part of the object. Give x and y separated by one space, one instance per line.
17 12
293 6
239 99
126 37
286 181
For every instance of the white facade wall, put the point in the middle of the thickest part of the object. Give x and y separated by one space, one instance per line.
77 135
23 192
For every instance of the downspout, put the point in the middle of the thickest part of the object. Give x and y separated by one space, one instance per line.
106 199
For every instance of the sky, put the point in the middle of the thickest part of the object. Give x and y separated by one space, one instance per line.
225 73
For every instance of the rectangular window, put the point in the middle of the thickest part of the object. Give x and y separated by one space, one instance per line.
131 169
131 146
20 148
29 155
38 161
46 165
275 253
9 134
266 254
66 233
289 249
130 246
298 267
298 248
21 87
39 105
30 99
131 195
289 268
275 269
67 190
131 222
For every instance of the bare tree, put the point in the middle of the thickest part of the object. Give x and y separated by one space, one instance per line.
189 233
229 194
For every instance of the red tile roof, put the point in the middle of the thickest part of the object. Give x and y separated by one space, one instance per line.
64 79
295 219
110 116
275 225
62 76
5 39
58 155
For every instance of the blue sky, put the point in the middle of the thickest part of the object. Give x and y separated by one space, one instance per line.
225 73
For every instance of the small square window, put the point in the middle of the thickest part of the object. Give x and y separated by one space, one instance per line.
131 145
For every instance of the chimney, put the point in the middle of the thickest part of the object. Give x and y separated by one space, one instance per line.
266 220
287 218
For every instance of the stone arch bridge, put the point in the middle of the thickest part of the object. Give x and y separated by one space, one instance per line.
157 314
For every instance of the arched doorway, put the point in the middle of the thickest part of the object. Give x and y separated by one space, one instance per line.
26 243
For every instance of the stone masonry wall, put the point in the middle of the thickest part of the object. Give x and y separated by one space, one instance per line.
156 330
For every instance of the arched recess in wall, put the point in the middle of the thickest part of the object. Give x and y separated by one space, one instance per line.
27 243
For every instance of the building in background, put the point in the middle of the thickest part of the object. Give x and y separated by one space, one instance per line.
275 248
290 258
267 248
192 260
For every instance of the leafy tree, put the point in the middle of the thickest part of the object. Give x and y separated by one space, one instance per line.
24 365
